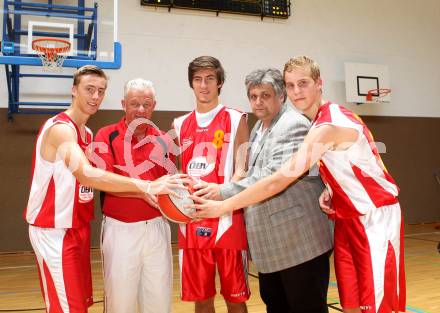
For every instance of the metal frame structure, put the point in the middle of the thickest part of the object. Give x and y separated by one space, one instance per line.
86 45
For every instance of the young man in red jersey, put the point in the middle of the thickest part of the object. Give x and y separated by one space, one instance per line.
60 204
210 137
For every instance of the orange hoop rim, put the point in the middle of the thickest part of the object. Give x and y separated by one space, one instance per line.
378 92
37 47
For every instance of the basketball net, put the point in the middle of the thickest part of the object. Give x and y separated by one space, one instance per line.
376 95
52 52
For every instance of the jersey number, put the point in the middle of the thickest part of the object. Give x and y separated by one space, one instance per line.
218 138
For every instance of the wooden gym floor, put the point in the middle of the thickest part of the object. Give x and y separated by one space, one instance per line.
20 292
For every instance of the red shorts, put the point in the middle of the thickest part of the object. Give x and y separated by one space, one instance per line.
63 259
369 261
197 267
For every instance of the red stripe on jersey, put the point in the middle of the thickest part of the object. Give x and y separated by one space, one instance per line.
367 133
77 288
390 179
46 217
31 177
340 200
402 281
54 301
78 210
390 301
378 195
351 115
63 117
353 264
323 116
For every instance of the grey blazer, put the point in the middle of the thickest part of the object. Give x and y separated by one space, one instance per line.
289 228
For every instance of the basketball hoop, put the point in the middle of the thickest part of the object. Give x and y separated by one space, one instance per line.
374 95
52 52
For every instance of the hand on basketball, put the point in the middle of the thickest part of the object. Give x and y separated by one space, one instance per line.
167 183
206 208
207 190
325 202
151 200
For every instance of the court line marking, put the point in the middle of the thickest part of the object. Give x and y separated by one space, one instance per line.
408 308
421 234
422 239
411 309
331 284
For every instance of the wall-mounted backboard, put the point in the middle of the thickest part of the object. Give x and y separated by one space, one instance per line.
52 36
362 77
75 21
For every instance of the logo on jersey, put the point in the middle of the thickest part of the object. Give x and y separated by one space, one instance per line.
199 167
85 194
187 142
219 136
203 231
237 295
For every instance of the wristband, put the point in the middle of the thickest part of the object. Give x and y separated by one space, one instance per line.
148 186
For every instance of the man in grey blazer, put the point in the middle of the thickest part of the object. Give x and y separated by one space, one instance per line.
290 239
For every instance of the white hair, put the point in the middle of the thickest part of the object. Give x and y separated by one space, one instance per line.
139 84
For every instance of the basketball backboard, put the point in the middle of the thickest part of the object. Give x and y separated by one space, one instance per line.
54 35
360 78
91 27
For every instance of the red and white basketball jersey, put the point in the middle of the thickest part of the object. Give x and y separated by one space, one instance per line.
356 177
57 199
207 153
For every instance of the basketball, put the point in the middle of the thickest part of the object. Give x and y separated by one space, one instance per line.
173 208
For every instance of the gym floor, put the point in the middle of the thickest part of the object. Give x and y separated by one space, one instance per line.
20 291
